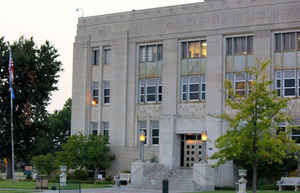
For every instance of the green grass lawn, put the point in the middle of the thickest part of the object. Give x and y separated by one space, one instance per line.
30 185
249 191
18 191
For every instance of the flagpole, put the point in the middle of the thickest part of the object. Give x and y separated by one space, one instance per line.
12 129
12 137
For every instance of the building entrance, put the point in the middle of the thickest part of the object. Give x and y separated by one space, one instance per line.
191 149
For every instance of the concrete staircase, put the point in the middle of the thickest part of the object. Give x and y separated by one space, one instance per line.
181 180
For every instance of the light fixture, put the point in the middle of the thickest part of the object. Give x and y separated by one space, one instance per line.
94 102
204 136
142 137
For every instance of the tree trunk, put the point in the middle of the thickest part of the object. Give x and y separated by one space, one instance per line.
9 168
96 175
254 177
298 165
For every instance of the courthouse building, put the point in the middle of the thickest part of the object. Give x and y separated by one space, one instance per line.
161 71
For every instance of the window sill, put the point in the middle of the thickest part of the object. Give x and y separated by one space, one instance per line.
192 101
154 103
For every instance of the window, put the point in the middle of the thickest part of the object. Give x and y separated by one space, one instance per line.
150 90
193 88
106 91
296 135
142 127
239 45
287 42
107 55
94 128
154 126
150 53
241 82
95 92
95 56
194 49
285 82
105 128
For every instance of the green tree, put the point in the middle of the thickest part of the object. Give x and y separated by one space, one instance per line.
254 137
89 152
36 71
45 164
55 130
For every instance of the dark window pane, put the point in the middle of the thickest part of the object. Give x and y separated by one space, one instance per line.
106 99
155 132
289 83
203 96
277 42
160 97
293 41
278 92
278 83
184 97
203 87
151 89
160 89
159 52
142 98
289 92
95 132
106 92
184 50
142 90
151 97
295 131
298 40
296 138
229 46
194 96
250 45
194 87
184 88
155 141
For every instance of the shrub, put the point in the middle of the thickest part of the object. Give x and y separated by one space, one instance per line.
80 174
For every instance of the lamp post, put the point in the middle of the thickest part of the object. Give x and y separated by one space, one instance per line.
142 141
203 154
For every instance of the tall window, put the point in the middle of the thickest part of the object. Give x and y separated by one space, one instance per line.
150 91
287 42
239 57
150 53
287 64
105 128
296 135
95 56
154 127
287 83
193 88
106 91
142 127
107 55
150 63
93 127
239 45
194 49
95 92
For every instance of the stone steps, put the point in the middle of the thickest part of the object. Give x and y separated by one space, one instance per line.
182 180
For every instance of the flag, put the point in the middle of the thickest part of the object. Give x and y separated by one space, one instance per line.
11 75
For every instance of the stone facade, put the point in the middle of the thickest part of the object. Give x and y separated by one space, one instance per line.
212 21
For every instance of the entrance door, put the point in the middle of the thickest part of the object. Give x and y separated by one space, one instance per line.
192 149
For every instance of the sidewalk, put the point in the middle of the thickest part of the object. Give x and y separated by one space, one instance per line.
114 190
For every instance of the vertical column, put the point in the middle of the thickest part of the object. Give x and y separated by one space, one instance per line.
131 100
119 90
214 102
169 155
80 95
